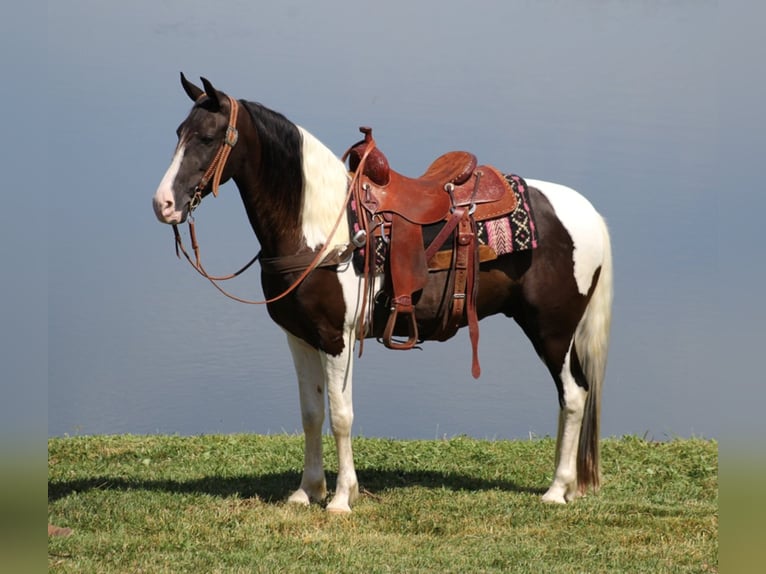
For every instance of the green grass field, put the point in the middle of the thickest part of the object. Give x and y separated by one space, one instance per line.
216 504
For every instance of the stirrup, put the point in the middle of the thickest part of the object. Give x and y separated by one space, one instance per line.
388 332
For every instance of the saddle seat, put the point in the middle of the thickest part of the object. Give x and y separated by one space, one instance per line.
452 167
420 200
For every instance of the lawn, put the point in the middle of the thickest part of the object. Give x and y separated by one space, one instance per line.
216 504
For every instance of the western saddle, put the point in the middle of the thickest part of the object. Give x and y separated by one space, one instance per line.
454 193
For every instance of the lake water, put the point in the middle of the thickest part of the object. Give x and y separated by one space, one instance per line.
611 98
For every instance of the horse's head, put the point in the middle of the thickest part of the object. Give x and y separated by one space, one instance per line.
205 139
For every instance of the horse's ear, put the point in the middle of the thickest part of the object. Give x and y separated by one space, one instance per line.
211 92
191 90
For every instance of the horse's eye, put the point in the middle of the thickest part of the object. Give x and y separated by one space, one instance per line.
207 140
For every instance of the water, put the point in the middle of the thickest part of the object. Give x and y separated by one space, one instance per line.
611 98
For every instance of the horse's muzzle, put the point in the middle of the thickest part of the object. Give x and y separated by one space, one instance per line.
167 212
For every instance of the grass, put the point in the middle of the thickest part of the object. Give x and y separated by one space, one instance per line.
216 504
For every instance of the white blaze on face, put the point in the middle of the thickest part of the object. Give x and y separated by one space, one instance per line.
583 223
167 207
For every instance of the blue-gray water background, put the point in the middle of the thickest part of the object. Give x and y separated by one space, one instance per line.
620 100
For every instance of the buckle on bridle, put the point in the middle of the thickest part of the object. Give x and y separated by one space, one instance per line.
232 135
195 200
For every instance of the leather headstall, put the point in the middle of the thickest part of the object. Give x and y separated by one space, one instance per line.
215 169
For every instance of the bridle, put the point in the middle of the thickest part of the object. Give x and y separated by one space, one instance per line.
214 172
212 176
215 169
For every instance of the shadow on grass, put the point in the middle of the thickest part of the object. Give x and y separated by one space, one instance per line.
276 487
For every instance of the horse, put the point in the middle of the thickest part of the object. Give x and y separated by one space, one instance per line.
295 194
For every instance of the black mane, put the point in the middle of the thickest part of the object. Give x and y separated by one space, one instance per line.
281 169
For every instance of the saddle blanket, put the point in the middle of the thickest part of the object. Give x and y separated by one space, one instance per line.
507 234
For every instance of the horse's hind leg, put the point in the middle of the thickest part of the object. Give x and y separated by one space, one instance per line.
572 397
308 367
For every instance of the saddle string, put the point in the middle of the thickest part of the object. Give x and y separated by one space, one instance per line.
471 313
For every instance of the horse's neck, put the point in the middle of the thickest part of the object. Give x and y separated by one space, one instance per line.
292 185
325 182
268 178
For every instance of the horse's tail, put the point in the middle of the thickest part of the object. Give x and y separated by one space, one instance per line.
592 344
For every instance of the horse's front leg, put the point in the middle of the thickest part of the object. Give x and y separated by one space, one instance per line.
338 376
311 380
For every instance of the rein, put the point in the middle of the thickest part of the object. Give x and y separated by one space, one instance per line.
283 264
276 265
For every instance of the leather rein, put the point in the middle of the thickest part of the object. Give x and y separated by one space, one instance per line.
285 264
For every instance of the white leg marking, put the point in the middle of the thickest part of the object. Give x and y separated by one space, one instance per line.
308 367
338 374
584 225
166 204
317 371
564 486
324 190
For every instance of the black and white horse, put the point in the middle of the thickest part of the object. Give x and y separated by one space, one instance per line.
295 191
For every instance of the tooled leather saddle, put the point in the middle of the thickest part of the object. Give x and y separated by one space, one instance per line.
455 193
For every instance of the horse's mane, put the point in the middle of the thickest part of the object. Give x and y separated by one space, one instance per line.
281 155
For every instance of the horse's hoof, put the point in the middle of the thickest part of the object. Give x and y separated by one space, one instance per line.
554 497
339 507
299 497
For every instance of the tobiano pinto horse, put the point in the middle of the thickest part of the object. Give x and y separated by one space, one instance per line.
296 194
